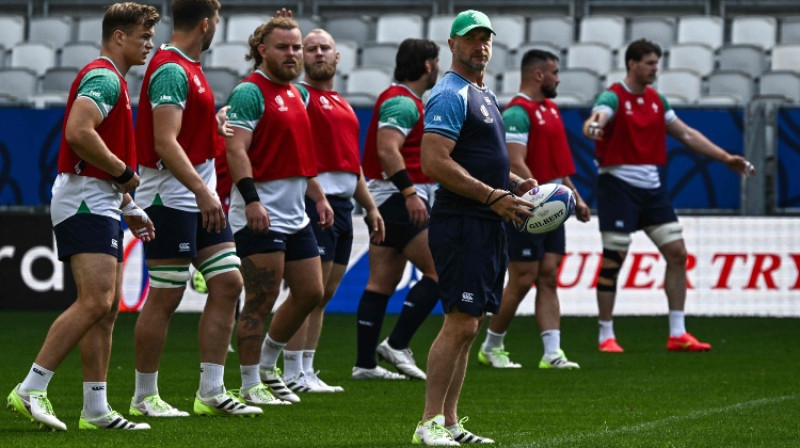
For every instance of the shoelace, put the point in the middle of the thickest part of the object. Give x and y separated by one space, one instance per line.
501 355
160 404
461 422
45 404
440 431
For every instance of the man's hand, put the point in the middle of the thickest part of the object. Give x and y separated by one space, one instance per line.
525 186
582 211
211 210
740 165
377 228
417 211
325 213
140 224
283 12
509 207
257 217
223 127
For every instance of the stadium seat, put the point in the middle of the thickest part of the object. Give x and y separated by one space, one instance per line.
580 82
12 30
675 99
658 29
569 99
58 79
17 83
516 60
591 55
490 80
697 57
615 76
731 82
786 57
559 30
680 83
53 30
222 81
368 80
701 30
781 83
348 56
719 100
163 32
609 30
239 27
439 27
78 54
511 81
362 100
500 58
219 35
381 55
445 58
231 55
754 30
749 58
790 30
306 24
37 56
510 30
90 29
351 28
395 28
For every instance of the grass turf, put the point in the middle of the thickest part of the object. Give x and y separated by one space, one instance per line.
744 393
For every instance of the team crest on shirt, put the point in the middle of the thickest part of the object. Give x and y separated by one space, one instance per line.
628 108
640 100
540 118
325 103
655 107
336 98
554 112
289 93
200 88
127 100
485 113
281 104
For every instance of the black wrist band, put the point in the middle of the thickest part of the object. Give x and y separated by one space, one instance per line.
125 176
498 198
247 188
413 193
486 202
401 180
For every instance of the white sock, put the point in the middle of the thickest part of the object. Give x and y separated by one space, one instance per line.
270 350
95 401
146 385
292 363
38 378
606 330
493 340
211 379
308 361
250 376
677 323
552 342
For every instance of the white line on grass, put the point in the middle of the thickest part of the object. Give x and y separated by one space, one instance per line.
557 441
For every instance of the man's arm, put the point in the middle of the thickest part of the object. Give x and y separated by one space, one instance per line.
582 211
81 135
314 191
390 141
241 172
699 143
439 166
377 230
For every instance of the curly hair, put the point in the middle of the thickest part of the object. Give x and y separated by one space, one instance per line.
260 35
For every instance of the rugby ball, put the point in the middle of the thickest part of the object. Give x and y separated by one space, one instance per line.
552 205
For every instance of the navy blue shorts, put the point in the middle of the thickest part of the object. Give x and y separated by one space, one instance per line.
621 207
524 246
399 229
180 234
335 243
297 246
471 258
88 233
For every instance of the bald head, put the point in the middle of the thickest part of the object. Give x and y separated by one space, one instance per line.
319 56
319 32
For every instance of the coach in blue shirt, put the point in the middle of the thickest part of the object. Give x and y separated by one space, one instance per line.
464 150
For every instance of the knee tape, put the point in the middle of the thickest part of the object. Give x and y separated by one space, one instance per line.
607 280
666 233
221 262
169 276
617 241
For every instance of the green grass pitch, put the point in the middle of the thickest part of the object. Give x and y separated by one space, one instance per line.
744 393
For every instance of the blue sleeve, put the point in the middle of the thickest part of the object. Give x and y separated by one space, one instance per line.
445 112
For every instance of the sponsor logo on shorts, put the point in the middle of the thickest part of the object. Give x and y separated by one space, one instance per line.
114 244
366 323
619 223
527 252
467 297
184 247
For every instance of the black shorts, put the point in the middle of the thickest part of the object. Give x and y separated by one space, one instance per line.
88 233
297 246
471 258
180 234
621 207
399 229
524 246
335 243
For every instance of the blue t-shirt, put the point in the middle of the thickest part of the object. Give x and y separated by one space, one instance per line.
468 114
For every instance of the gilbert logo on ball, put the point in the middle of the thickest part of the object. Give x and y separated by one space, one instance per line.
552 205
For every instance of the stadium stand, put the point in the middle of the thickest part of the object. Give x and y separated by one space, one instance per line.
790 30
786 57
348 56
683 86
357 29
754 30
380 55
516 60
37 56
89 29
395 28
609 30
12 30
241 26
701 30
368 80
581 83
734 83
439 27
445 57
659 29
510 86
595 56
222 81
781 83
558 30
500 58
745 57
17 84
513 30
230 55
78 54
58 79
615 75
306 24
52 30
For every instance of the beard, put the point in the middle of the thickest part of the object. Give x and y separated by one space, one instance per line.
283 73
549 92
320 72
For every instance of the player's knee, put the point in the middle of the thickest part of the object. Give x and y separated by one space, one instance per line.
609 271
616 241
547 280
169 276
220 262
665 233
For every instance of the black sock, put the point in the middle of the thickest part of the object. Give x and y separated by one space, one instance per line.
418 305
369 318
